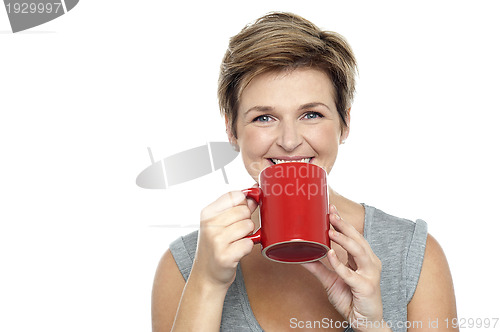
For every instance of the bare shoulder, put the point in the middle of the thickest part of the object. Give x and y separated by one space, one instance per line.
434 297
349 210
167 291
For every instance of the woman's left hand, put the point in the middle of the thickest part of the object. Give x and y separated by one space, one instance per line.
352 288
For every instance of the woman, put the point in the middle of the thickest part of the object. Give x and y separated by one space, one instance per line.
285 90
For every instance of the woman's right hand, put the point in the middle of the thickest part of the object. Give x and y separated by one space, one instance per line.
221 240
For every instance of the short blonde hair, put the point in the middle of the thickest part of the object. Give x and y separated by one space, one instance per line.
285 41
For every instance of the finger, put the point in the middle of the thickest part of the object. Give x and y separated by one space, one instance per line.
229 256
351 240
326 276
224 202
240 248
250 202
353 248
252 205
344 226
228 217
237 230
351 263
350 277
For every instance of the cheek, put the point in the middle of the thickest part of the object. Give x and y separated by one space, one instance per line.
253 143
331 161
325 142
325 136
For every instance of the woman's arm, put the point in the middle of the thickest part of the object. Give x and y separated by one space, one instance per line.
189 303
167 291
433 304
197 305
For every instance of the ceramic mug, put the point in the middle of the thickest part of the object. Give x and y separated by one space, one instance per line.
294 221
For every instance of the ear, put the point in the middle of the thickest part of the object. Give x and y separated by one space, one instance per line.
231 138
346 129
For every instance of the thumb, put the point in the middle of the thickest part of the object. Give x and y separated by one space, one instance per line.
326 276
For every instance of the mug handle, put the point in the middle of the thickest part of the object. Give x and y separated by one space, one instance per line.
253 193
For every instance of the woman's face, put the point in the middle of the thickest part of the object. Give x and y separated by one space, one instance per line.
288 115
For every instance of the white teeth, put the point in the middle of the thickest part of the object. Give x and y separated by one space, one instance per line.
279 161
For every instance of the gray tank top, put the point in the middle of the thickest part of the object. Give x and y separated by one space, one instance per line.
398 243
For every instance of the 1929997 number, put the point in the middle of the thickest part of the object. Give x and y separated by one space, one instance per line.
476 323
32 8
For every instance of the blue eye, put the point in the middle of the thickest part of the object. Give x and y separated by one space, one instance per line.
262 118
313 115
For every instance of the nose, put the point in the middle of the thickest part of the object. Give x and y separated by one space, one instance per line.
289 137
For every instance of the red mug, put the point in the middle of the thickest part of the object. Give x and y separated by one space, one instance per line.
294 221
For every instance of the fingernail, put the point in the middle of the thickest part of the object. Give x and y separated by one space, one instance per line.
336 213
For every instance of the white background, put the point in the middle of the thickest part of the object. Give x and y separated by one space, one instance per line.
83 96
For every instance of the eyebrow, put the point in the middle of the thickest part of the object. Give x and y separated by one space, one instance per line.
312 105
259 109
269 108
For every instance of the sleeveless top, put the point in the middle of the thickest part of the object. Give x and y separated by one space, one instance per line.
398 243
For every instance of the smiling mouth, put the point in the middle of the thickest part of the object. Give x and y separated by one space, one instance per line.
280 161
